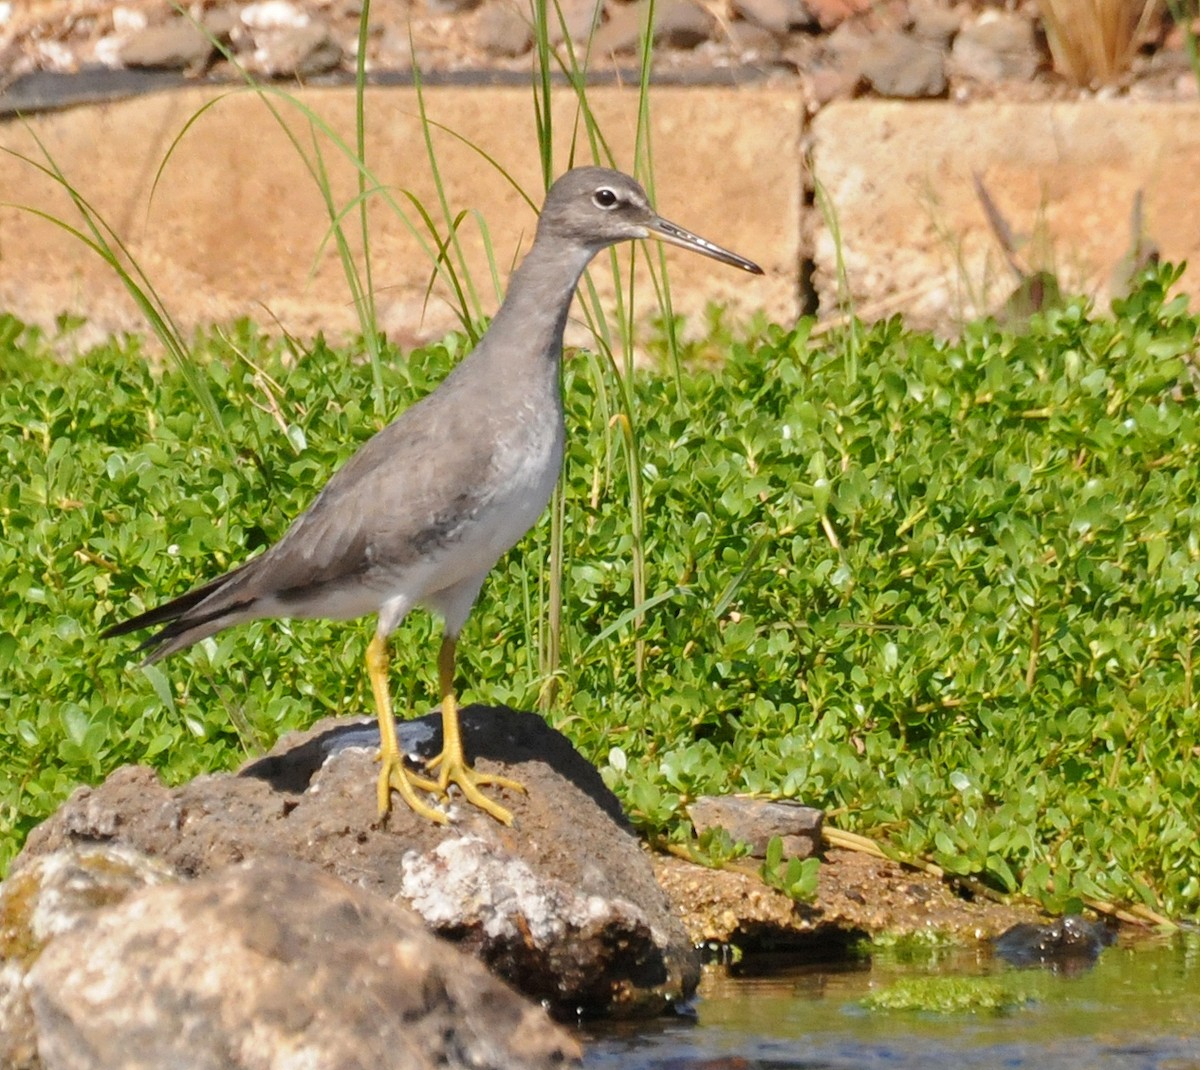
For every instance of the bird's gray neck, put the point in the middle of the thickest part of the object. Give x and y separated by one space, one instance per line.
528 328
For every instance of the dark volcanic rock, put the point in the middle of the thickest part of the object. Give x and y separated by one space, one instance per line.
564 905
274 964
1065 943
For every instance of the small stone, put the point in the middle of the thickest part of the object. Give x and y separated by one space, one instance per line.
778 16
622 31
677 24
394 50
578 18
1068 941
501 30
757 821
898 65
273 15
836 73
827 83
998 48
298 52
832 13
175 45
220 22
681 24
937 25
451 7
128 20
751 42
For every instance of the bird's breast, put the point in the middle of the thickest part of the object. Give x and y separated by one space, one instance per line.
525 468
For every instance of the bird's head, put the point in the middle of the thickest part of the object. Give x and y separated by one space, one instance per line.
595 207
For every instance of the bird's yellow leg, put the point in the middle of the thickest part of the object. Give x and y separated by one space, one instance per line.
451 764
392 773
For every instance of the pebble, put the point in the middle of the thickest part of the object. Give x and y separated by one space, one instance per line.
298 52
174 45
579 18
898 65
778 16
451 7
501 30
998 47
273 15
681 24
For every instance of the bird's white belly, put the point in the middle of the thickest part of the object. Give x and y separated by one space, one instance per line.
524 473
519 495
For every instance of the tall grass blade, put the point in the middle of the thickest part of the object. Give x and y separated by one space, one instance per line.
367 312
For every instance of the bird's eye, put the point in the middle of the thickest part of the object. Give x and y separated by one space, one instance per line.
604 198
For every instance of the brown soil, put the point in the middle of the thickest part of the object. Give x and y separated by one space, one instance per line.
858 895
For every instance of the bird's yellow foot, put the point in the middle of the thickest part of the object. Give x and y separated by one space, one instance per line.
394 775
451 764
453 769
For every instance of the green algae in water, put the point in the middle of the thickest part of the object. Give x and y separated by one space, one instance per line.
947 995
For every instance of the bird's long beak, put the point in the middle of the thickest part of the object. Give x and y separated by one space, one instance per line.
668 232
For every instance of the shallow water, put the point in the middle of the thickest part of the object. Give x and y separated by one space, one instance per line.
1138 1008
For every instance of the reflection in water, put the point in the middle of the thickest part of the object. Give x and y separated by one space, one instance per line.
1136 1010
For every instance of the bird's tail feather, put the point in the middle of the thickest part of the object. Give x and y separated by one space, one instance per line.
187 619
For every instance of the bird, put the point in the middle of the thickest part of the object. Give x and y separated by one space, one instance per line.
425 508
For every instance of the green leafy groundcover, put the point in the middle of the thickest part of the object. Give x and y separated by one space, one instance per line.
947 590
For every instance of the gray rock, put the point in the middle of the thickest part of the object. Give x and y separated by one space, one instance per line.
269 965
677 24
756 821
273 15
220 22
897 65
451 7
501 30
828 82
564 906
1069 944
623 30
836 72
778 16
394 50
576 19
754 44
935 24
174 45
998 47
681 24
57 895
832 13
297 51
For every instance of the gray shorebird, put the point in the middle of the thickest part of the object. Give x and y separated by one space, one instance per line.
425 509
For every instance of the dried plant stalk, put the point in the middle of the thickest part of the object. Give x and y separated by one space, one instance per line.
1093 41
